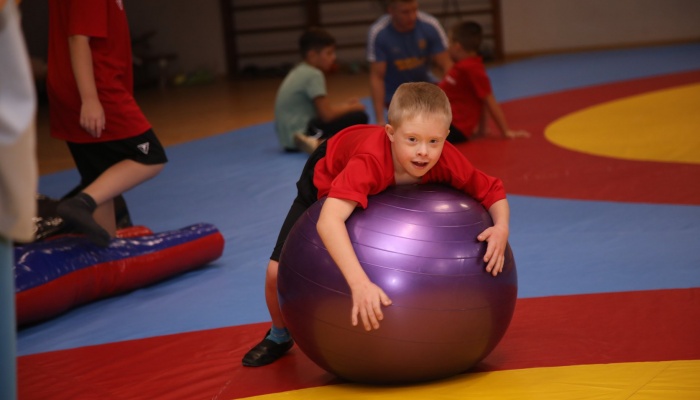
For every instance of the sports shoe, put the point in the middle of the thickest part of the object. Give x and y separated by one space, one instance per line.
77 212
266 352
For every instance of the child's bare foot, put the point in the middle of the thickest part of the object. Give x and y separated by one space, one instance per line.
305 143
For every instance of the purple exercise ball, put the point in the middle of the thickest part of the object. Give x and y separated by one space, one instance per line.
418 243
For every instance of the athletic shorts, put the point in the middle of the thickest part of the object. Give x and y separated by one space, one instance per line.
92 159
456 136
307 194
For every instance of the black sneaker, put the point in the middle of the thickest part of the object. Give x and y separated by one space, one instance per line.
266 352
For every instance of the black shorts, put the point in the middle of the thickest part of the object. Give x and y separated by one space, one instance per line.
325 130
92 159
307 194
456 136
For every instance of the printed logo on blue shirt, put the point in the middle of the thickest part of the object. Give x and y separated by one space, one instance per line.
406 64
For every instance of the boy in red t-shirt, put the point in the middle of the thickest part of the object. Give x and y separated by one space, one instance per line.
469 89
364 160
92 108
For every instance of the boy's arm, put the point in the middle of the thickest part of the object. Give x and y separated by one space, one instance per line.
497 114
367 298
328 111
496 237
92 116
443 61
481 129
377 71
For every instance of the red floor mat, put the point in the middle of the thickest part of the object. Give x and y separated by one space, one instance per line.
551 331
537 167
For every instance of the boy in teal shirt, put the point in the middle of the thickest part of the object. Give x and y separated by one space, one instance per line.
304 116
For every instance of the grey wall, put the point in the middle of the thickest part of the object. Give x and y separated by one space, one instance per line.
536 26
193 29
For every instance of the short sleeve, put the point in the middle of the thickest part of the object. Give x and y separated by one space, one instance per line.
457 171
361 177
316 86
378 55
88 17
376 50
480 81
437 39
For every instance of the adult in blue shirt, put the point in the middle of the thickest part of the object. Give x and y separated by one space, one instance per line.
402 46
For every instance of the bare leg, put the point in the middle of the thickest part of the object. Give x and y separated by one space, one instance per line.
269 350
119 178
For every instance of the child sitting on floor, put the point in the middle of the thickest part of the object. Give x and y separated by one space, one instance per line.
469 89
304 116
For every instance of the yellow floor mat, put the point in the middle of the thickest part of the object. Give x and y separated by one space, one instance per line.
668 380
656 126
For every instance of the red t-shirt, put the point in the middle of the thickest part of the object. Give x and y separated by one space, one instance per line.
104 21
466 85
358 163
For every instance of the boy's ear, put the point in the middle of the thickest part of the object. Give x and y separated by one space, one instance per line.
311 55
389 132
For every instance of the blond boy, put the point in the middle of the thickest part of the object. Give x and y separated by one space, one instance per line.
364 160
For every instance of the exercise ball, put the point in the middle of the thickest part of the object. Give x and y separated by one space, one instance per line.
418 243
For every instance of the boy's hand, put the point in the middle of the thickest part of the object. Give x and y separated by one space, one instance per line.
92 117
367 298
355 104
510 134
367 302
497 239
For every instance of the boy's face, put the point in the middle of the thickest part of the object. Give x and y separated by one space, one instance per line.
416 144
453 48
323 59
404 15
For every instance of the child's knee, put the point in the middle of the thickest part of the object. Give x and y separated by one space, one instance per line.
157 168
152 170
271 275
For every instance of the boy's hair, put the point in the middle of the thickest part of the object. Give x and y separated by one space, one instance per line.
468 34
415 98
315 39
